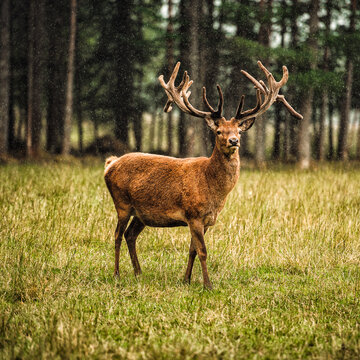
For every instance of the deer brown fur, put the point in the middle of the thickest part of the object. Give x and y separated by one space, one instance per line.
163 191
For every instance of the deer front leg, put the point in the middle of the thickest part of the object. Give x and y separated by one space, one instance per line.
197 235
192 256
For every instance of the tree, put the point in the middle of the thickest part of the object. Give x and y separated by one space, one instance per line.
278 113
295 12
195 129
4 74
57 30
342 150
211 39
240 56
304 153
358 139
265 14
324 93
35 76
125 56
170 66
69 81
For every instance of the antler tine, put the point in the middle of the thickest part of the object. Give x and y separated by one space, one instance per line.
253 80
180 96
240 107
174 74
285 76
292 111
170 84
205 100
221 101
240 114
182 81
191 109
168 106
263 68
264 86
219 110
270 92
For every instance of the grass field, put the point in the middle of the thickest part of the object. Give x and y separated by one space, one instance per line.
284 260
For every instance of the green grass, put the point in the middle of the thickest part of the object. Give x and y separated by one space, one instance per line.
284 260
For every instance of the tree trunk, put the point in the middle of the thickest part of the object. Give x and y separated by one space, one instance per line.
211 39
137 118
322 119
79 118
35 76
11 128
195 127
265 9
324 95
152 125
160 132
286 138
184 45
123 107
29 126
342 150
170 67
4 75
137 127
66 146
358 137
330 154
277 132
304 149
78 108
237 86
278 113
293 97
181 135
56 60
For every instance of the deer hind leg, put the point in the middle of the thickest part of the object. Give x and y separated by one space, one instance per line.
197 233
131 234
192 256
123 218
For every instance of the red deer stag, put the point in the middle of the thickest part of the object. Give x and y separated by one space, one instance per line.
163 191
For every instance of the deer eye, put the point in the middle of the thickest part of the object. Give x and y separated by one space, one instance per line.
218 132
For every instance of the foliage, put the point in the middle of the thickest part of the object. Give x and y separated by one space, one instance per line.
120 57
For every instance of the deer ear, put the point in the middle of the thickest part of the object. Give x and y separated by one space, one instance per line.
213 124
246 124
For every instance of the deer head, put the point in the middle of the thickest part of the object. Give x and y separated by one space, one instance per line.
227 132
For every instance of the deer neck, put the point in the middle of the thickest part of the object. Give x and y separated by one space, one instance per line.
223 170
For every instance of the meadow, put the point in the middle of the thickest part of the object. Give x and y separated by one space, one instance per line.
284 260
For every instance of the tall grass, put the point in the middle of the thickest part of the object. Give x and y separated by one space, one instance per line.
283 257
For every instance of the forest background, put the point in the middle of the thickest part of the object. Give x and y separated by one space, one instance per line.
80 77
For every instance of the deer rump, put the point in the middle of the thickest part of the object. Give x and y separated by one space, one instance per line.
162 191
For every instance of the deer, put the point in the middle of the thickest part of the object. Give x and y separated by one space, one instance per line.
163 191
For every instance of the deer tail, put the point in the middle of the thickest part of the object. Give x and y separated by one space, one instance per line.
109 161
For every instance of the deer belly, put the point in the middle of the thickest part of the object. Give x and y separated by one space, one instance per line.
163 219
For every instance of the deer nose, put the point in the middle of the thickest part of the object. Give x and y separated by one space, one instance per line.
233 141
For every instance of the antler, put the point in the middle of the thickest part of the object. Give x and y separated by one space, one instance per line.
180 96
270 93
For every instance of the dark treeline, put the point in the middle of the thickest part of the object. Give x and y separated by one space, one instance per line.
81 76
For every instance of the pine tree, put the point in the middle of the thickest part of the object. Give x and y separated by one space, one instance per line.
4 74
